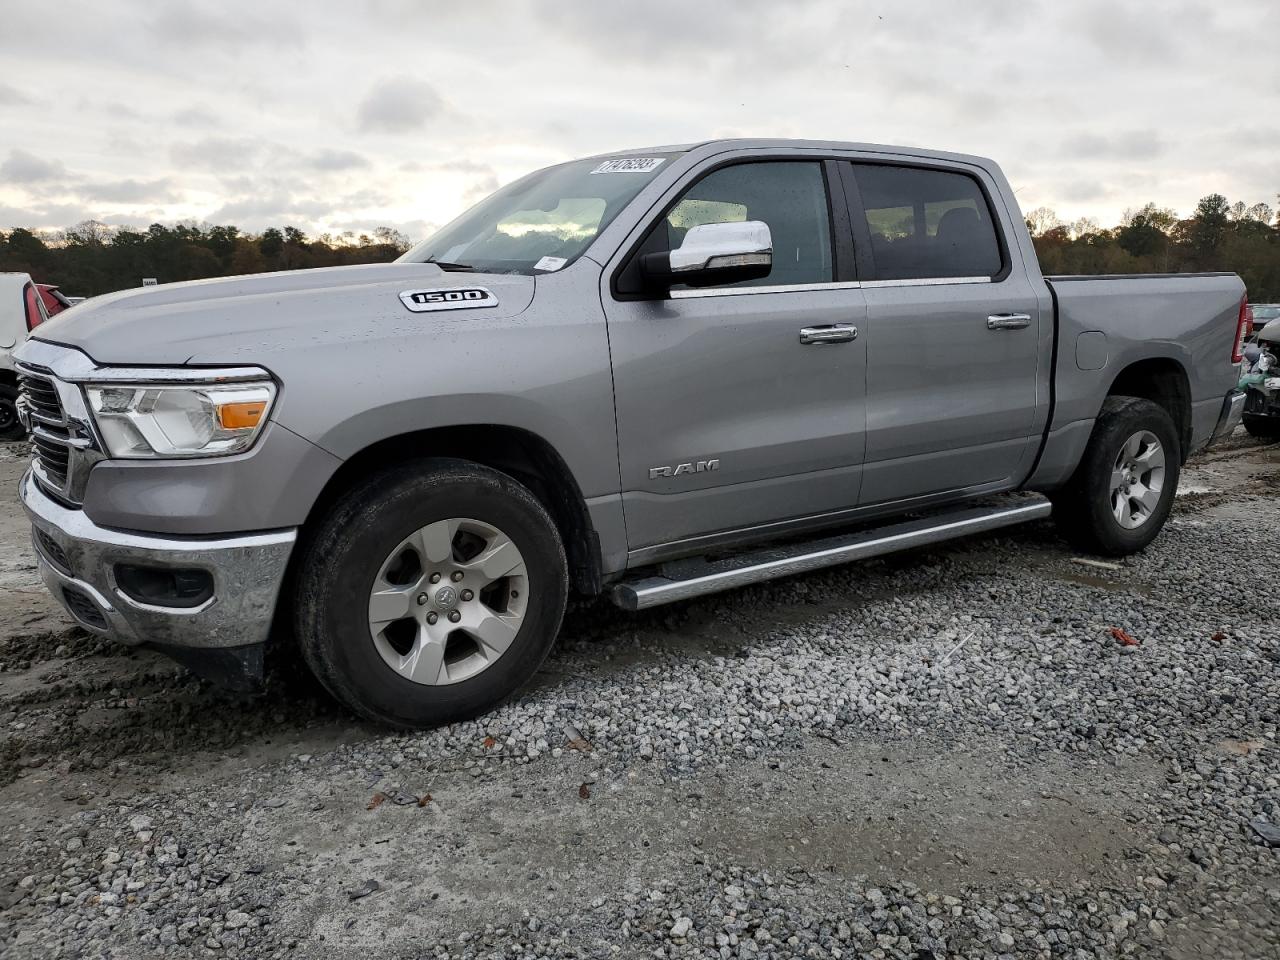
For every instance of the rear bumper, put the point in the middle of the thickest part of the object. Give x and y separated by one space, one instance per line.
1229 418
78 560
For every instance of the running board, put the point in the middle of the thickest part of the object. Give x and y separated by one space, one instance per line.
697 577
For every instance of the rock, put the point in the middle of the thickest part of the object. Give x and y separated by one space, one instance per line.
1268 832
362 891
140 823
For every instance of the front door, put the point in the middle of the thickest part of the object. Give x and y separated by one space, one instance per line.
726 419
952 335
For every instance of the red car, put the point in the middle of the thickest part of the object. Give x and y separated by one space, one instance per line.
54 301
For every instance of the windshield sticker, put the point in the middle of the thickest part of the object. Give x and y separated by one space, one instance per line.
630 165
550 263
454 298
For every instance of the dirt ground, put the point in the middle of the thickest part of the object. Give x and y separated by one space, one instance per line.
285 779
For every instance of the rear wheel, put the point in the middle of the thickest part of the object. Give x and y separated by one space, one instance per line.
430 593
1121 493
1262 427
10 427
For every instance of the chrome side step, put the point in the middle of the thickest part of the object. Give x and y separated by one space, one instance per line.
695 578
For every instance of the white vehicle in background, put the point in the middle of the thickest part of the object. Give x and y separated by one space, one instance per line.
21 311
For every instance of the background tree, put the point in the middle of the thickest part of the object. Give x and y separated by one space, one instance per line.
1218 235
92 258
1207 227
1041 220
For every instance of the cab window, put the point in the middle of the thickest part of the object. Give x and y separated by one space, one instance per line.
927 224
789 196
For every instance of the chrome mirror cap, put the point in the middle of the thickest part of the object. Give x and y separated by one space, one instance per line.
713 246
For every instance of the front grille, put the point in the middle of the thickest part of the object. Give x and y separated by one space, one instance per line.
54 458
83 609
42 398
51 433
53 552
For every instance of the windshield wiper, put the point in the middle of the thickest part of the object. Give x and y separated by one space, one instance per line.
451 267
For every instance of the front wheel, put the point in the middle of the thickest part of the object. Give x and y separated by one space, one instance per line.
1122 492
10 426
431 592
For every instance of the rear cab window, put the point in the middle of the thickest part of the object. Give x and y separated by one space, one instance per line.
927 224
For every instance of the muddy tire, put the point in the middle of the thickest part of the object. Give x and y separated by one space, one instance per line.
1262 427
10 427
430 593
1120 495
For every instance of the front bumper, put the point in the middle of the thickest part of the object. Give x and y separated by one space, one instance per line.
1229 419
77 561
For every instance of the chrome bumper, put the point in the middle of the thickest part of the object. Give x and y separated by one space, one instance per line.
77 560
1232 413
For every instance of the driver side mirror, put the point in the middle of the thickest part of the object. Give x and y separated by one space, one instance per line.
713 254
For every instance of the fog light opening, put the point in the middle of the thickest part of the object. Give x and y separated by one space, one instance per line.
164 586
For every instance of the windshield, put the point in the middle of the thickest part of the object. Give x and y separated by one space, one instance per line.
541 222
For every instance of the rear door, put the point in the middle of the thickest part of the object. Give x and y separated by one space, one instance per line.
952 333
727 418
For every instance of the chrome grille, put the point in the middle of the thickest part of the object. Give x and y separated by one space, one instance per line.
49 434
53 458
62 448
42 399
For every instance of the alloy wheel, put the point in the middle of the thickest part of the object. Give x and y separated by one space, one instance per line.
1137 479
448 601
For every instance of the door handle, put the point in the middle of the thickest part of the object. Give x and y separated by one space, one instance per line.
1008 321
836 333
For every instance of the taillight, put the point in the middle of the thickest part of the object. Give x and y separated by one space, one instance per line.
1248 320
1242 332
31 304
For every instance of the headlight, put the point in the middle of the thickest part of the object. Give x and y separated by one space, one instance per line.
150 421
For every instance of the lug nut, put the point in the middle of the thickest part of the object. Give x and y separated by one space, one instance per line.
422 599
457 575
435 578
454 616
467 595
432 618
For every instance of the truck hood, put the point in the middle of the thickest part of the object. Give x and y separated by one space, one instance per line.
247 319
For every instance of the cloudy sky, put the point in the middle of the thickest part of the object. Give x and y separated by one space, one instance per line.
344 115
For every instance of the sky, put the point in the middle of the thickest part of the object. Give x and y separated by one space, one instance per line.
344 116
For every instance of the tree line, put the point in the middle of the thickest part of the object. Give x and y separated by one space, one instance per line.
1218 235
92 258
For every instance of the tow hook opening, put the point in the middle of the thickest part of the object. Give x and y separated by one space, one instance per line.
181 587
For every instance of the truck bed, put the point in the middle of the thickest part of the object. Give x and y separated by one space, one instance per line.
1183 324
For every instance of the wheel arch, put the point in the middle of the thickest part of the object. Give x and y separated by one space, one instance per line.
519 453
1163 381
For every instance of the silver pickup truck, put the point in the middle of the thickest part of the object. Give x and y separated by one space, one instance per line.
650 375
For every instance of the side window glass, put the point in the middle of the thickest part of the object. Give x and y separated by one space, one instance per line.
927 223
790 196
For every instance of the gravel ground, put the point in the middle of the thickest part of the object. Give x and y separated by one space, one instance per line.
941 754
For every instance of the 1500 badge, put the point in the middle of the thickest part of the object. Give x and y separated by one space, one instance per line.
454 298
